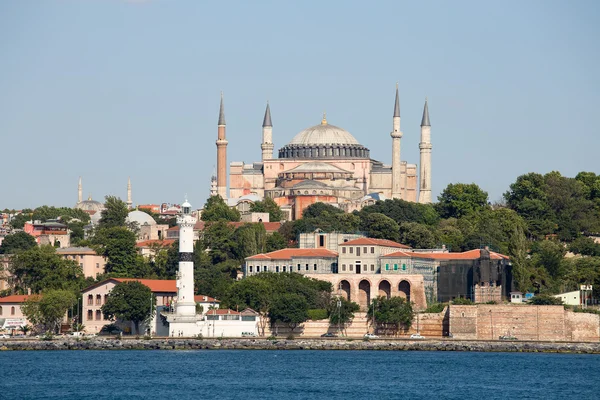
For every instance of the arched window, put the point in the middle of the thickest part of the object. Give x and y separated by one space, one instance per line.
90 300
90 315
98 315
98 299
12 310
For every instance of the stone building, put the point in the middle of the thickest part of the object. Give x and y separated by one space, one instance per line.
324 163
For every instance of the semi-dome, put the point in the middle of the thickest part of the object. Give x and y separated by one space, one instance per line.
140 217
324 141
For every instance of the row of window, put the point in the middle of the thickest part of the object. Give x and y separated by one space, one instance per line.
387 267
12 310
351 267
230 317
284 268
351 250
98 299
99 316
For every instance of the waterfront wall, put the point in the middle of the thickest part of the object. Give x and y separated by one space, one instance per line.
301 344
525 322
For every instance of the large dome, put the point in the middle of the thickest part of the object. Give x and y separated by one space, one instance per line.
324 141
323 134
141 218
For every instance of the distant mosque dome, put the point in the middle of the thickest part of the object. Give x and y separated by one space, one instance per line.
324 141
90 205
140 217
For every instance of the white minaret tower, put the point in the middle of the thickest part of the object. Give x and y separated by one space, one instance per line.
425 148
267 135
129 202
396 135
183 321
79 192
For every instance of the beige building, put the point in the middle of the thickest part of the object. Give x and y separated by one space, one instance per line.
11 316
90 262
325 163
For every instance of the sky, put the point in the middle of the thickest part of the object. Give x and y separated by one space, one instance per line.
111 89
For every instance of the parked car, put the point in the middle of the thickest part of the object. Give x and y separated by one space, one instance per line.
329 334
371 336
417 336
3 336
110 329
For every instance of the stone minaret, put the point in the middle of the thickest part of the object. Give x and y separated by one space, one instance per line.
129 202
267 135
221 154
425 147
79 192
396 135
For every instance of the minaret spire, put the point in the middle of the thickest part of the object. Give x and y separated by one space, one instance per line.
425 162
396 135
221 153
267 135
129 202
79 192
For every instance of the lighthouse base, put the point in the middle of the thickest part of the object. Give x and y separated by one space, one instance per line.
184 325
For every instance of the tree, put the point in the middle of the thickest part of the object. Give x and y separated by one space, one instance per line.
461 199
289 308
417 236
548 254
379 226
216 209
114 214
117 244
404 211
219 240
393 313
341 312
268 205
16 242
250 239
585 246
18 220
275 241
317 210
545 300
130 301
41 269
49 310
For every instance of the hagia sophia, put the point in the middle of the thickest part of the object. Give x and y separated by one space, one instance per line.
323 163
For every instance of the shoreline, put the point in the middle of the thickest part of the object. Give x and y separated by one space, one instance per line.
302 344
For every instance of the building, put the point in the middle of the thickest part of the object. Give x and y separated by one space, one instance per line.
149 248
165 292
51 232
11 316
90 262
146 226
324 163
230 323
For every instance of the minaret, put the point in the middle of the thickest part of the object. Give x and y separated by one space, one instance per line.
221 154
129 202
267 135
80 192
213 184
396 135
425 162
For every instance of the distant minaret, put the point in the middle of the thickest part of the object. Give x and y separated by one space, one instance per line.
213 184
396 135
425 147
129 202
267 135
80 192
221 154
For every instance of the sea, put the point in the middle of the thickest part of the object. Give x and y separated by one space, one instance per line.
296 374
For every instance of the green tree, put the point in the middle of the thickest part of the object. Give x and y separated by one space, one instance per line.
220 241
585 246
379 226
16 242
114 214
417 236
394 313
250 239
275 241
41 269
545 300
117 244
290 309
341 312
404 211
130 301
268 205
317 210
18 220
461 199
216 209
49 310
548 254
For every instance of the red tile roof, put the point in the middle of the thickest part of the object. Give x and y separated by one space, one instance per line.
466 255
205 299
287 254
155 285
269 226
164 243
222 311
375 242
14 298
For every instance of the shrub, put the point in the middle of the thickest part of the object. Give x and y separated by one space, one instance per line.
462 302
545 300
435 308
317 314
199 336
272 337
147 337
290 337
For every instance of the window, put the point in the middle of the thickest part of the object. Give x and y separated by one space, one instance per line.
351 267
403 267
105 298
358 251
343 250
299 267
284 268
314 267
387 267
395 267
0 310
372 250
365 250
80 265
321 240
351 250
277 268
98 315
231 317
12 310
212 317
250 268
90 315
90 300
98 300
343 267
97 265
248 318
372 267
307 267
265 268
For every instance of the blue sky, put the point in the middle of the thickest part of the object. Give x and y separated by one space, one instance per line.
108 89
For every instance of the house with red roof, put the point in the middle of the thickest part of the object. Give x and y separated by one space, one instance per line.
11 316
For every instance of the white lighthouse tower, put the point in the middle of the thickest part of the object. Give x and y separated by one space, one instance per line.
183 321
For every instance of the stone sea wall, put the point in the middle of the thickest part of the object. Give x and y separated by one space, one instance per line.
301 344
